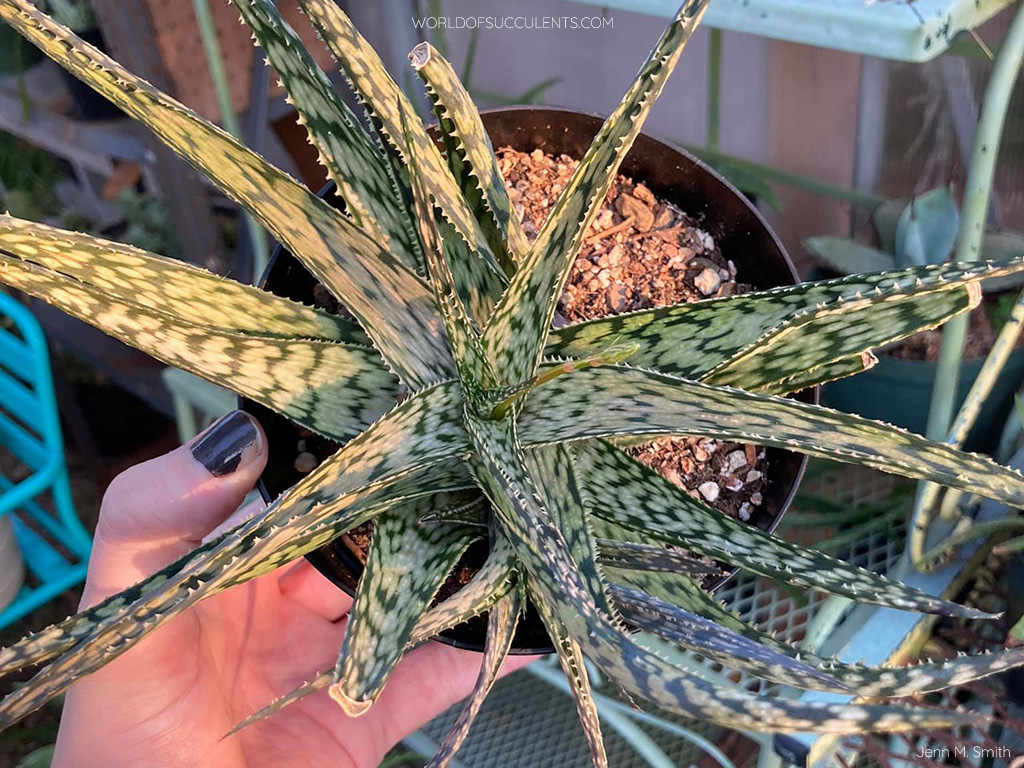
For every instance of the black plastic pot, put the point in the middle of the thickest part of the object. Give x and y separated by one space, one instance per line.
672 175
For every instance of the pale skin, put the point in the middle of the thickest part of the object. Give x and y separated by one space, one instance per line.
170 699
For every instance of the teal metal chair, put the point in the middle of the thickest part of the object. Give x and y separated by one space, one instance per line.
54 545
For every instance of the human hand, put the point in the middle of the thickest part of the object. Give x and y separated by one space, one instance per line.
169 700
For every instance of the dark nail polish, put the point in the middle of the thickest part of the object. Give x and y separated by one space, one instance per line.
221 447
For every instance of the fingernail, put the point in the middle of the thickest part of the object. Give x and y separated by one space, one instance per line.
224 445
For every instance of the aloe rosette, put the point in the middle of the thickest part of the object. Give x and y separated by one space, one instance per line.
464 415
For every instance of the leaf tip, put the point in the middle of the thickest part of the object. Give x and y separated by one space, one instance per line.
349 706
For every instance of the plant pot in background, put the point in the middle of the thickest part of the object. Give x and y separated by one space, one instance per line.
899 392
672 175
12 569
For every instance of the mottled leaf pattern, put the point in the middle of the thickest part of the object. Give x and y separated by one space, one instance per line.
822 374
470 361
556 582
181 290
690 340
552 469
490 584
636 497
352 159
389 105
869 682
570 658
334 389
417 434
614 401
406 565
393 305
517 332
630 556
831 335
696 633
453 103
501 628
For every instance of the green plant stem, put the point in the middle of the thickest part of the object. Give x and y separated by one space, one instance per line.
972 229
215 62
714 89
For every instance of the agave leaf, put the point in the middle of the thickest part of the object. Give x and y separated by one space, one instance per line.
631 556
690 340
847 256
491 583
388 105
175 288
416 435
927 228
570 657
474 369
406 566
722 644
392 304
866 681
552 467
556 581
501 628
824 339
454 104
346 150
335 389
516 333
618 400
638 498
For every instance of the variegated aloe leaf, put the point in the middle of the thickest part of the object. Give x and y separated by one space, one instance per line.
334 389
475 512
806 343
386 102
420 433
691 340
348 153
188 293
556 581
822 374
866 681
501 628
461 123
392 304
615 401
631 556
570 658
406 566
498 575
636 497
552 467
518 330
494 581
470 361
722 644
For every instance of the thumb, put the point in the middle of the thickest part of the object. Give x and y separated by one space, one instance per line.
161 509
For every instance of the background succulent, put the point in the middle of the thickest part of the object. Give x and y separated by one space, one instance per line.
505 428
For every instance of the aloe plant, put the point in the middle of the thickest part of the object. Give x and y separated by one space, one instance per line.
464 415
